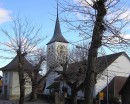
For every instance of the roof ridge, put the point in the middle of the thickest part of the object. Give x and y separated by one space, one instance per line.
119 53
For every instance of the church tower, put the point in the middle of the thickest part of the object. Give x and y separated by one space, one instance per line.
56 53
57 46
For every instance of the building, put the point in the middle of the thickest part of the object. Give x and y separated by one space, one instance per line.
107 67
114 88
10 87
117 64
57 49
1 82
125 92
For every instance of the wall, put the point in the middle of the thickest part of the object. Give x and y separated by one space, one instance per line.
50 80
6 82
120 67
52 61
12 82
15 85
52 54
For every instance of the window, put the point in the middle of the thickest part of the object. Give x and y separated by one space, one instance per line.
6 75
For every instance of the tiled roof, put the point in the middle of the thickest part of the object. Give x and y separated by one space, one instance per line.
57 36
13 65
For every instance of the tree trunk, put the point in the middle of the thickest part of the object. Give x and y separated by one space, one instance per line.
90 81
33 77
74 96
22 88
21 76
93 51
34 93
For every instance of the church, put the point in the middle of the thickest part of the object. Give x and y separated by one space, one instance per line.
57 52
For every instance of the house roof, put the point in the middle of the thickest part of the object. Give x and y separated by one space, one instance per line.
127 82
104 61
115 85
41 86
57 36
13 65
54 85
77 70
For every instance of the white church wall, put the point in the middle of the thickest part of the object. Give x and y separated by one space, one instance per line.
52 53
51 61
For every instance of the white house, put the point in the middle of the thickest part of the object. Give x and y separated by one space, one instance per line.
10 87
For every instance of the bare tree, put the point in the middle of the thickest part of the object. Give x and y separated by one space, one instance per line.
38 60
22 40
102 27
76 60
79 52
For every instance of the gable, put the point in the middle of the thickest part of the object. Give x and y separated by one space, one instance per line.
119 67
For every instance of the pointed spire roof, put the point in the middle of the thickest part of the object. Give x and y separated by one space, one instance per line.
57 36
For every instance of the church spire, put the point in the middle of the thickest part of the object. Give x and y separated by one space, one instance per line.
57 11
57 36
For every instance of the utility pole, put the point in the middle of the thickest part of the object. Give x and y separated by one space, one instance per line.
107 88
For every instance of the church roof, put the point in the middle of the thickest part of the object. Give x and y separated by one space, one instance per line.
76 70
13 65
57 36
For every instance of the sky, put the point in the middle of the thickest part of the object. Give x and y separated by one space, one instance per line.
40 12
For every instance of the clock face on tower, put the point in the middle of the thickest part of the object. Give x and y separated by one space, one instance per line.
61 50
